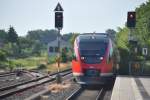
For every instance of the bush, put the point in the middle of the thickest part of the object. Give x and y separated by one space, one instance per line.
139 58
124 61
4 65
64 55
51 60
63 58
2 56
12 65
42 66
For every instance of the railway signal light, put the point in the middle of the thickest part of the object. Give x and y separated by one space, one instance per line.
131 19
58 16
58 20
59 25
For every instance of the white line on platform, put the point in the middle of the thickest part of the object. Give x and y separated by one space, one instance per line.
137 93
115 92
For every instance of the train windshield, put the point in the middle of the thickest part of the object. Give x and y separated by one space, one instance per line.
93 48
92 51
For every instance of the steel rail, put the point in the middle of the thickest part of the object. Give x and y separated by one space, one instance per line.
29 84
74 94
80 93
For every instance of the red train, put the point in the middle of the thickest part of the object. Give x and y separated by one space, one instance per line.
94 59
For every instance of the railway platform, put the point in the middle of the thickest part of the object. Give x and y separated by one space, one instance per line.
131 88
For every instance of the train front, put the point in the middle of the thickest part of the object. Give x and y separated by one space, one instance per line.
92 62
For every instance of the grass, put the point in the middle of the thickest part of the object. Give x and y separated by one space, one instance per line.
54 67
33 62
148 63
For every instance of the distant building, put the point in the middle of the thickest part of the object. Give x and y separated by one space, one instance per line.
53 47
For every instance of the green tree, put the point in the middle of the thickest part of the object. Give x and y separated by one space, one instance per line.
67 36
3 59
3 36
12 35
13 42
111 33
122 38
25 46
37 48
44 36
123 47
72 39
142 31
64 55
3 56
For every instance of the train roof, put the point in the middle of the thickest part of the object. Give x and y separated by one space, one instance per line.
93 37
102 34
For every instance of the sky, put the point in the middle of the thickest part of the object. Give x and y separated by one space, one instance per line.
79 15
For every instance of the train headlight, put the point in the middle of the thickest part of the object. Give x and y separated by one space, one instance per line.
101 58
82 58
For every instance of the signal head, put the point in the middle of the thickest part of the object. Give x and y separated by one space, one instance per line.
131 19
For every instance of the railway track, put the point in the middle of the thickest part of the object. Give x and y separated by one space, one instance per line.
85 94
6 74
13 89
11 79
62 94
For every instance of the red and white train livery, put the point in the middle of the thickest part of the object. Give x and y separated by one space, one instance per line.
93 61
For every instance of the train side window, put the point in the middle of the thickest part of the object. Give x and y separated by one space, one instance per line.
110 55
51 49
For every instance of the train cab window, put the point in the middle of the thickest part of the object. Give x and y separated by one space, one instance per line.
93 48
92 51
51 49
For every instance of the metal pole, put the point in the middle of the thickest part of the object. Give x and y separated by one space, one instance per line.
58 50
129 36
129 68
144 64
58 77
130 53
